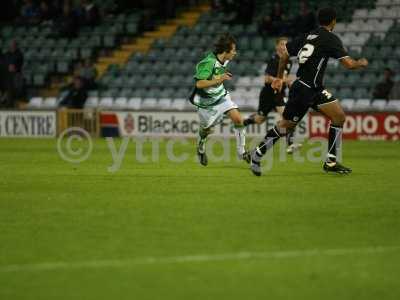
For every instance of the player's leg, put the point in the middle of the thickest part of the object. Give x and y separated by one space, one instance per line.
300 99
207 117
201 145
272 136
291 146
335 113
240 133
265 105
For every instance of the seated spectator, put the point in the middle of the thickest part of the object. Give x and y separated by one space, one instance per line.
74 95
46 12
274 24
395 92
305 21
383 88
88 73
91 13
3 82
245 12
29 12
66 24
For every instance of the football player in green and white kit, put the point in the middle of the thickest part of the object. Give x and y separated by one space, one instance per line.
213 100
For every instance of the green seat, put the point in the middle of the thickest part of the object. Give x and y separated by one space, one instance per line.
106 80
94 41
86 53
159 43
394 64
360 93
72 53
39 79
113 92
345 93
269 45
243 44
63 66
237 30
337 80
116 82
132 28
257 43
109 41
367 79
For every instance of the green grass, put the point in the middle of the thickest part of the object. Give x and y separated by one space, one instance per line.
102 226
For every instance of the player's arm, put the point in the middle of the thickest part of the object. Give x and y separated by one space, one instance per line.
286 79
283 54
352 64
289 79
204 83
337 51
269 79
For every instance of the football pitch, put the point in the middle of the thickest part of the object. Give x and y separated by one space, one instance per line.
178 230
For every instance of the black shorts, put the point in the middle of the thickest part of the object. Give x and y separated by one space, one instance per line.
268 101
302 98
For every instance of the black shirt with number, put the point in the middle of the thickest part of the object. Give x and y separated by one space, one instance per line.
313 52
272 70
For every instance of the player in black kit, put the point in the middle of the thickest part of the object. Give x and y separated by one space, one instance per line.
269 99
313 52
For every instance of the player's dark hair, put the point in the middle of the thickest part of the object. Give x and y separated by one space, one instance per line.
224 43
281 38
326 16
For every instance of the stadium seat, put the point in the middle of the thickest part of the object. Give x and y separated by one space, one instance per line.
50 103
347 104
134 103
106 102
345 92
35 102
393 105
120 103
91 102
244 82
362 105
252 103
178 104
241 102
149 103
379 104
164 103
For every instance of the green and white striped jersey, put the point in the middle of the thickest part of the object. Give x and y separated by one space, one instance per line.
208 69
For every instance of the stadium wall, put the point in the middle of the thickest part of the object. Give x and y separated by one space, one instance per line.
48 124
358 125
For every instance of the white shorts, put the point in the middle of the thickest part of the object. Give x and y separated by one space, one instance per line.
214 115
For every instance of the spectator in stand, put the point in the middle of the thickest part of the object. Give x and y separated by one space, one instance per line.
30 13
244 12
383 88
14 82
3 82
74 95
46 12
66 24
91 13
275 23
304 22
395 92
88 73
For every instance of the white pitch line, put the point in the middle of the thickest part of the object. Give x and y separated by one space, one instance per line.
126 263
